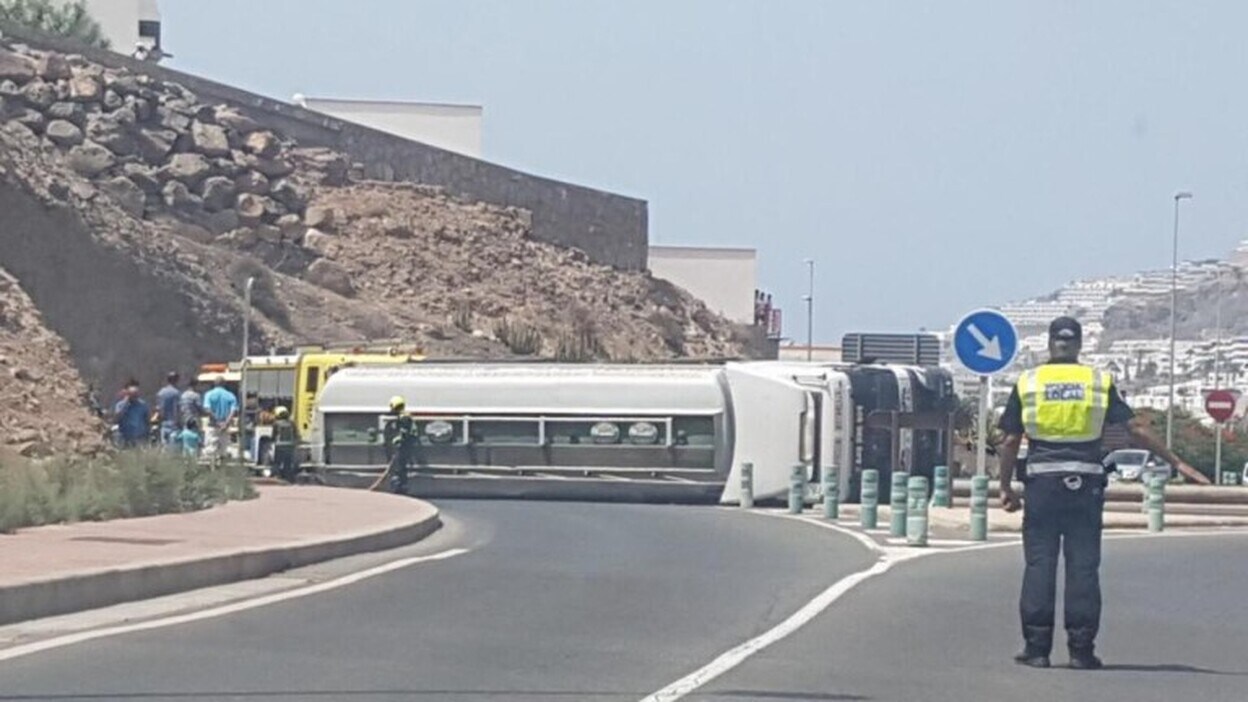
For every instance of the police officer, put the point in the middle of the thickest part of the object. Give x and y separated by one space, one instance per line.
1063 408
284 445
400 440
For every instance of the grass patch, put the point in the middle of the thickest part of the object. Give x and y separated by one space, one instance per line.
128 484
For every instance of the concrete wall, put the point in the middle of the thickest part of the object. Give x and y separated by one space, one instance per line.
452 127
610 228
725 279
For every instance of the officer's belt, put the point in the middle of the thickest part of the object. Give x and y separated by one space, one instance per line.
1049 468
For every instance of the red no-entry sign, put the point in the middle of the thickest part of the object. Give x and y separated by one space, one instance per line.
1220 405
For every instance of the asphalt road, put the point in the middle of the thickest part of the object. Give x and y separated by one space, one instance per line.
943 629
555 601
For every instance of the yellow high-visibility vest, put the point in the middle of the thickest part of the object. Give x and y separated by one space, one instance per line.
1064 402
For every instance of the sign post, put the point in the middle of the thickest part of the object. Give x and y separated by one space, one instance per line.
1220 406
985 343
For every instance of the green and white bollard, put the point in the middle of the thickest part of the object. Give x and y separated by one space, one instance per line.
869 515
831 493
747 485
916 512
941 495
979 508
897 505
797 489
1156 504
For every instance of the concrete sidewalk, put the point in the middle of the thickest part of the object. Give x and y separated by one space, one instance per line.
67 568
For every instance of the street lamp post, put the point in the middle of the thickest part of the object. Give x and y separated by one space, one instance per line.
242 371
809 299
1217 378
1174 301
251 281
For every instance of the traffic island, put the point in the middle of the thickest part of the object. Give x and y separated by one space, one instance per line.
74 567
955 522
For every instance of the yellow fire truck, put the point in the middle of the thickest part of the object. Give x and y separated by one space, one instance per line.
294 381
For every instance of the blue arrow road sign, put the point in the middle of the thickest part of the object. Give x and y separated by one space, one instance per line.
985 342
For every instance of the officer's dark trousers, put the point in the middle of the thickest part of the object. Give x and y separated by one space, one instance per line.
1058 518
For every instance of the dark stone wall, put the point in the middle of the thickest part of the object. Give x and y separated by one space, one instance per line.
611 229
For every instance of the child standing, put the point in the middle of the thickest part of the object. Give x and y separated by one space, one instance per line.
189 439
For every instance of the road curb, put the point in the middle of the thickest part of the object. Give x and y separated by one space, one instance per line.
77 593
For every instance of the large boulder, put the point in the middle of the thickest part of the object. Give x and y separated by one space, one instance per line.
126 194
242 238
252 208
170 119
85 87
179 198
331 276
143 176
68 111
90 159
209 139
221 221
264 144
31 119
38 94
319 217
191 169
112 133
155 144
52 66
218 193
318 242
293 196
252 182
62 133
231 118
16 67
269 167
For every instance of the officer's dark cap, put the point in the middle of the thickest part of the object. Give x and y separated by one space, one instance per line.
1066 329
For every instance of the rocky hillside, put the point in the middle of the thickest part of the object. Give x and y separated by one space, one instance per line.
42 407
133 212
1195 313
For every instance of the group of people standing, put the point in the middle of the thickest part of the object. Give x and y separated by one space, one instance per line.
183 420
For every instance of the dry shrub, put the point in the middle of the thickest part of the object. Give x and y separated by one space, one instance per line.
520 337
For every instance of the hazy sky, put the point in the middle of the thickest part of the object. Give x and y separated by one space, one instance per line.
931 156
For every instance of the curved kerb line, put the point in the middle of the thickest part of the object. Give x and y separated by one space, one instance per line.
80 637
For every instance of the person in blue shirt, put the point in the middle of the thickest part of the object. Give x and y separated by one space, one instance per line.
167 405
222 406
189 439
131 416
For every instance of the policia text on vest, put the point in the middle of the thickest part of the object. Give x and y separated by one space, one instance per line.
1062 408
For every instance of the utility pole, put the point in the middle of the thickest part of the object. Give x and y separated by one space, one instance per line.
809 299
1174 302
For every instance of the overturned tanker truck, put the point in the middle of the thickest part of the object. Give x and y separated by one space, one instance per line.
634 433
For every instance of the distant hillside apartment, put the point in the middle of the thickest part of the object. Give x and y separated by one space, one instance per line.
452 127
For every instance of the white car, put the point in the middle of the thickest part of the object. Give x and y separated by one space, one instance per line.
1137 465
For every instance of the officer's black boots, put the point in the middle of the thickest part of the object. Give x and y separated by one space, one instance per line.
1033 660
1084 660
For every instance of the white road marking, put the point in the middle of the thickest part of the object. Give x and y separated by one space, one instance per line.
80 637
889 557
735 656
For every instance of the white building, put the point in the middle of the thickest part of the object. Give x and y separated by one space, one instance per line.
724 278
128 23
452 127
